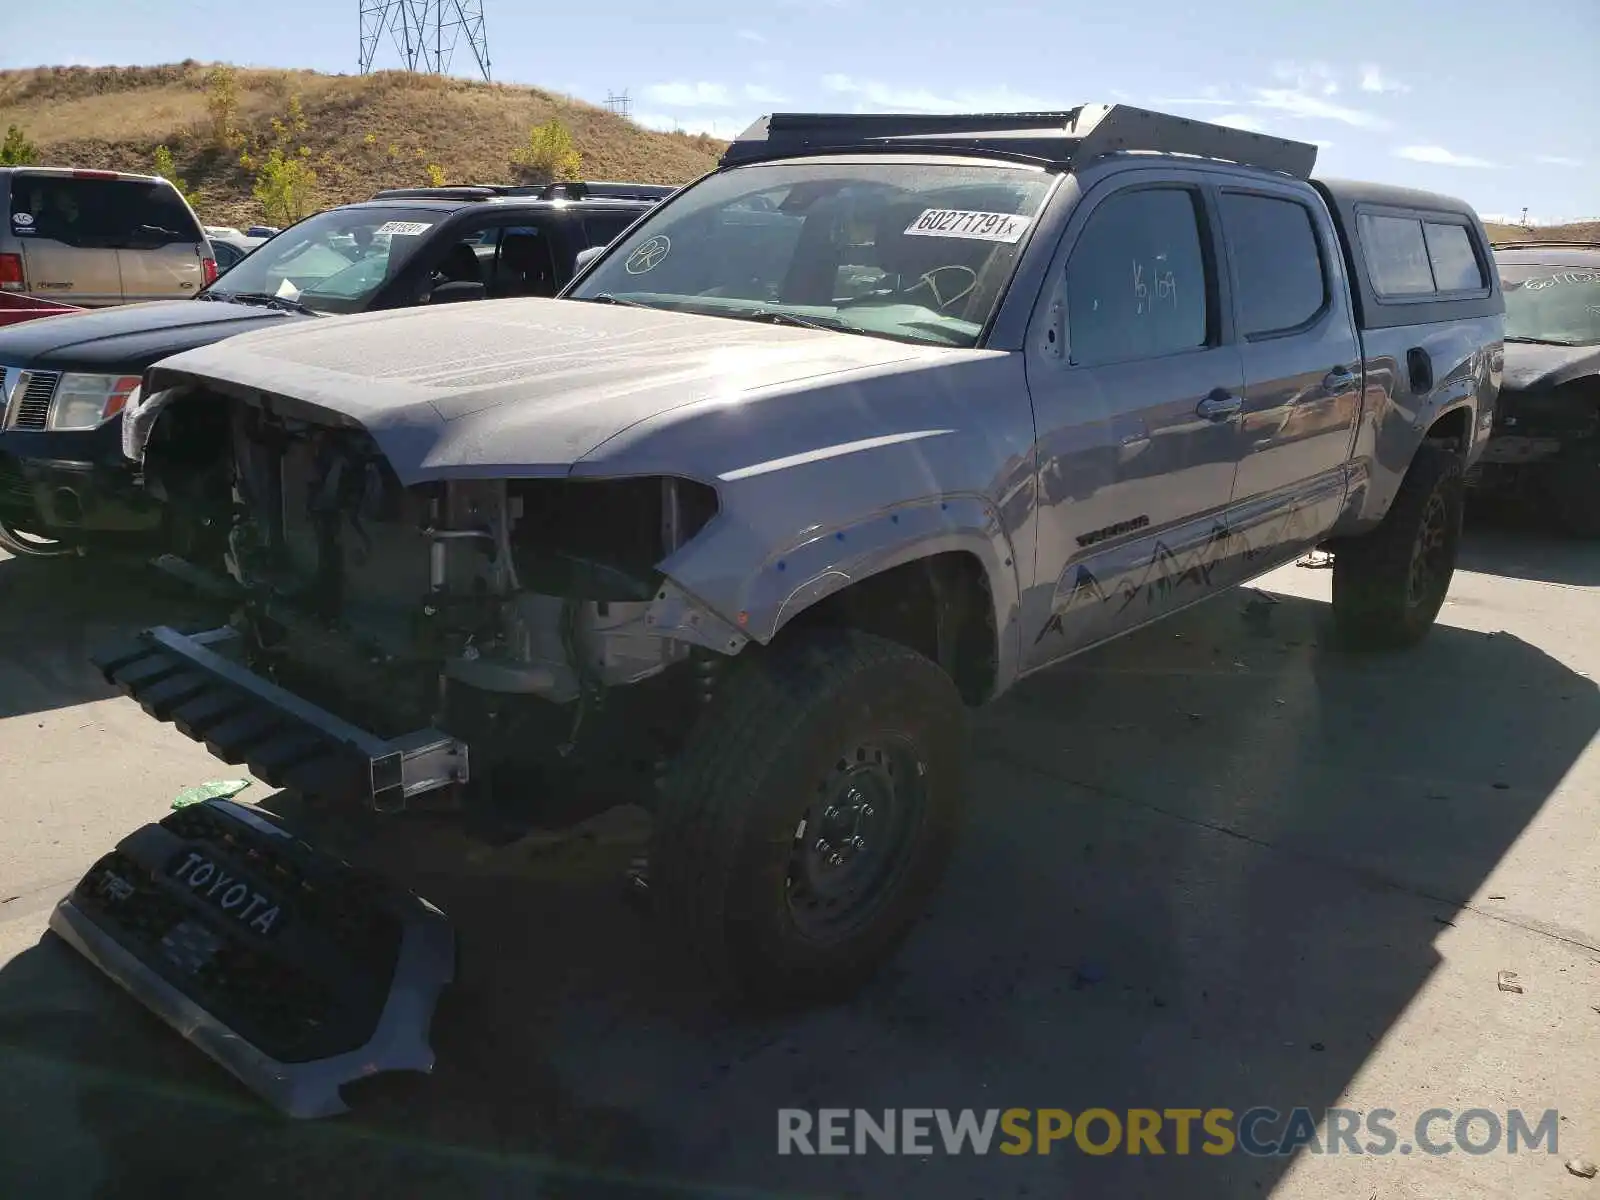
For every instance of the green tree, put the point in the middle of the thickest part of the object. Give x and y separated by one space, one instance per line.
17 150
285 187
168 170
550 155
222 105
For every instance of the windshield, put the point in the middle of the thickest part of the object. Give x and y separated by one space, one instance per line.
913 251
1553 303
334 262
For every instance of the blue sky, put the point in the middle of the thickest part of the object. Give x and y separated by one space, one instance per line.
1498 103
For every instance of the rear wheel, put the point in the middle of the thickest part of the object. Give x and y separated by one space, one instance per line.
810 818
1389 585
1572 489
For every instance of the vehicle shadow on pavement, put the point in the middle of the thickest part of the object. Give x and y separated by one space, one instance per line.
1517 542
55 612
1205 867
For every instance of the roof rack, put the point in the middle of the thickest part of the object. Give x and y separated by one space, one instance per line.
1059 140
562 190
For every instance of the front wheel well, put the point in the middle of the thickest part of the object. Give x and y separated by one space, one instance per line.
1453 430
939 606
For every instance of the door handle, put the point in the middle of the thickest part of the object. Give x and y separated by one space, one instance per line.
1338 381
1219 406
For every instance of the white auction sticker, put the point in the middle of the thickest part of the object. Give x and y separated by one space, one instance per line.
404 228
960 223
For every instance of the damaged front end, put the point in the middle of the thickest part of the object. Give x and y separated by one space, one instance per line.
455 643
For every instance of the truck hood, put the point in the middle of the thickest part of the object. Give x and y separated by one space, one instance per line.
527 387
128 338
1531 367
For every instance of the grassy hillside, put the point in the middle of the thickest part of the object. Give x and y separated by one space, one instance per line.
359 132
1583 231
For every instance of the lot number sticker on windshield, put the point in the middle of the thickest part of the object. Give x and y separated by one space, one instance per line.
404 228
961 223
648 256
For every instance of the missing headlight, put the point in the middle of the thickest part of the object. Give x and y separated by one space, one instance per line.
602 539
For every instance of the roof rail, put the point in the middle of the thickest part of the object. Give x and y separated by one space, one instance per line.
1545 244
561 190
462 192
600 189
1059 140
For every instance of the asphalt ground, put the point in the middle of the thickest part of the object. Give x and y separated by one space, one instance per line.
1219 864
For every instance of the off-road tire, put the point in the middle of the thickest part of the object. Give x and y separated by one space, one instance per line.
1375 604
1572 489
727 825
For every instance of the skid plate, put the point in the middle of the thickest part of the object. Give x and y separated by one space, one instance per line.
292 969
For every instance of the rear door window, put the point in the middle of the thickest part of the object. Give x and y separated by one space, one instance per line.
100 213
602 228
1276 260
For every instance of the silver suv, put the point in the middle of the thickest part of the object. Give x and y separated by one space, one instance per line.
94 238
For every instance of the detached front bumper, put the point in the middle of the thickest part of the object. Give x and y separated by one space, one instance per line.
192 682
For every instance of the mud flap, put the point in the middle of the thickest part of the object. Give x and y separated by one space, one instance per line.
292 969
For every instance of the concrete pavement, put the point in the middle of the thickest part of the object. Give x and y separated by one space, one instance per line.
1217 864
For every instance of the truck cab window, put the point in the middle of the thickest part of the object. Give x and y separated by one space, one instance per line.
1396 255
1136 281
1455 266
1276 262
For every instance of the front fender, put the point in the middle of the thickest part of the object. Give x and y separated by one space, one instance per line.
789 580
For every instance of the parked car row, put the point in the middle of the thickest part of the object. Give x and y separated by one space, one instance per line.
65 483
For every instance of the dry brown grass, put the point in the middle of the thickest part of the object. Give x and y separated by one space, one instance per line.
1583 231
115 117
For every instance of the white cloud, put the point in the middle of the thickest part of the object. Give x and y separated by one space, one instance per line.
750 35
1295 103
1557 160
1240 121
757 94
874 95
689 95
1314 77
1439 156
1374 80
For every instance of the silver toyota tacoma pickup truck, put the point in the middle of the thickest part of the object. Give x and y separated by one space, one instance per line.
846 437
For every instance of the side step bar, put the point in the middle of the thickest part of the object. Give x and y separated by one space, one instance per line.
293 970
281 738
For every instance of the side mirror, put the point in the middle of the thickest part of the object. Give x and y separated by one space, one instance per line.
457 290
585 257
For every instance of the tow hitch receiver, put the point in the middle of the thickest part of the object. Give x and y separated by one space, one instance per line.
292 969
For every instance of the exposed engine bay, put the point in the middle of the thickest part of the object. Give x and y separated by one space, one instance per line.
504 612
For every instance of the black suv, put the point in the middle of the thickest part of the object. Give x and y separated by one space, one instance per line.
64 382
1546 440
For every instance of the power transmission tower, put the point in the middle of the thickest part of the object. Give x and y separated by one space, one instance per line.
619 103
424 33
